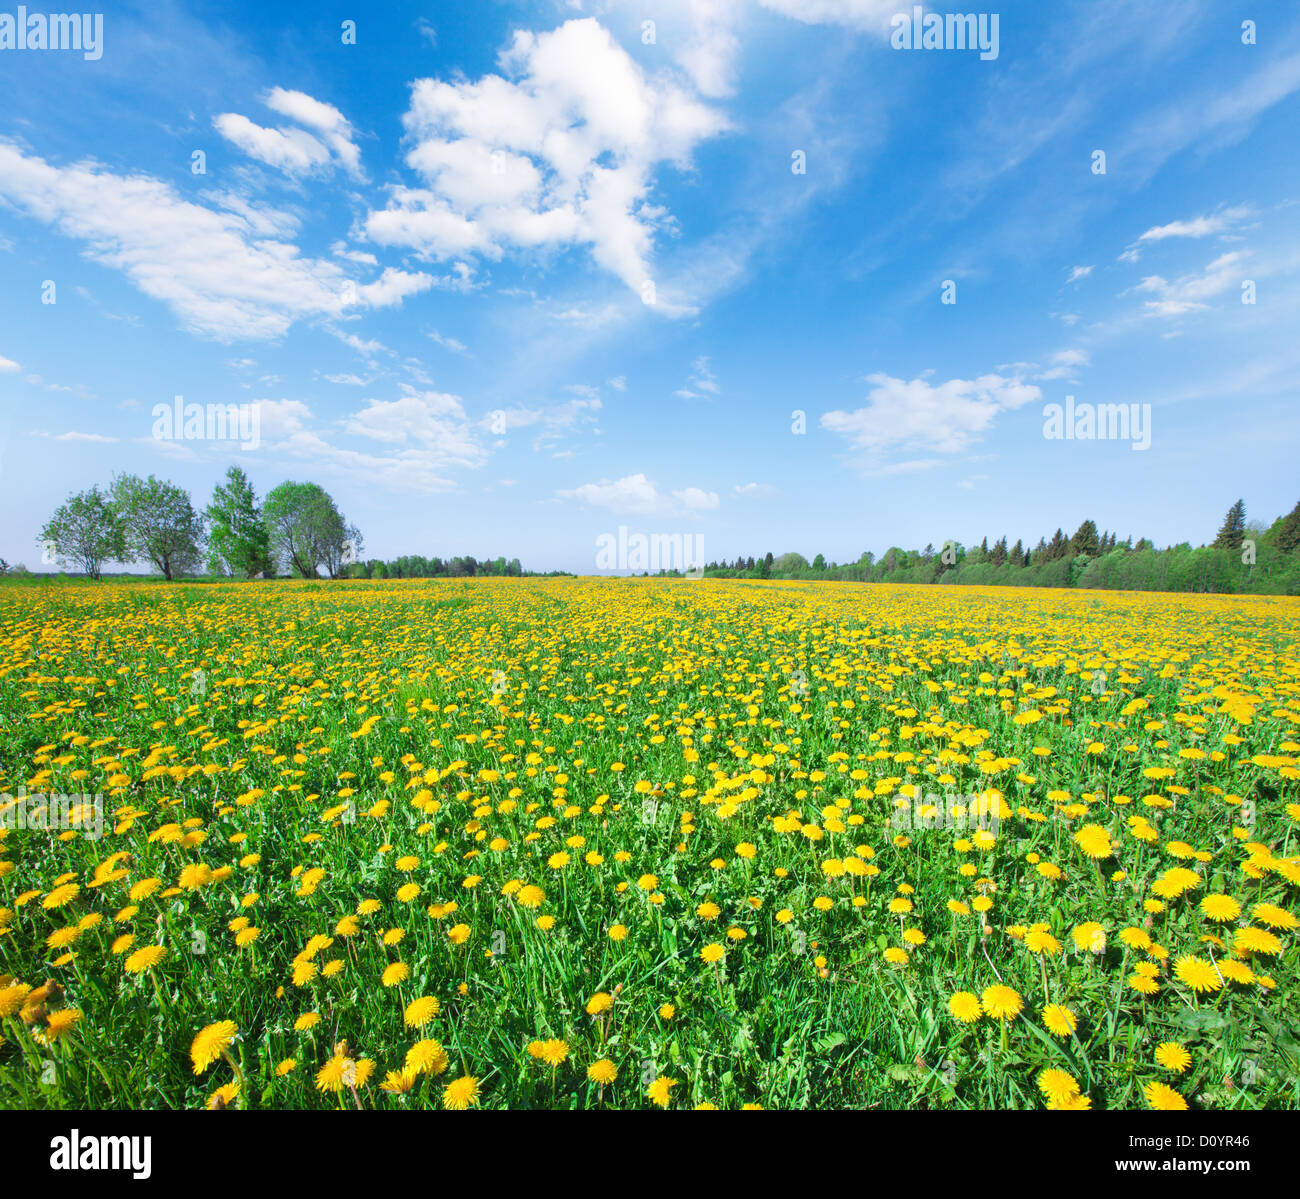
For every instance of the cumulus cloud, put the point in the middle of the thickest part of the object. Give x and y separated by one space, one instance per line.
941 418
428 418
220 273
8 365
640 496
557 151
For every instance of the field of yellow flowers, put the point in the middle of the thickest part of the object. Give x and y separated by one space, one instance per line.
624 843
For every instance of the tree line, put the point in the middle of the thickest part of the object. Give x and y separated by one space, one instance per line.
296 530
1241 558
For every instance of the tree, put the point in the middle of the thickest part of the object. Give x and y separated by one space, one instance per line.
1085 540
1288 533
819 563
338 553
237 538
86 530
1233 530
306 530
160 522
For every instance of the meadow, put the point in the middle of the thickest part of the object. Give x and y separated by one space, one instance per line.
634 843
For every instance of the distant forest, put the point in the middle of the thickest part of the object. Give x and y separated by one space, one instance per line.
1245 557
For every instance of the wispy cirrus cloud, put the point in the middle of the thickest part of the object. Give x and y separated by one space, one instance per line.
1209 225
701 384
1190 292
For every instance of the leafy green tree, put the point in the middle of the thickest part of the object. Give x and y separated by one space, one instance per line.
1233 529
237 539
307 531
86 530
160 522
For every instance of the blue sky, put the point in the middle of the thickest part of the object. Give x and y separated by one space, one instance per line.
401 247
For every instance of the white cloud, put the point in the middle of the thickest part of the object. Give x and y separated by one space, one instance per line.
295 151
430 419
97 438
8 365
558 151
694 499
1201 226
554 422
416 439
449 343
221 275
1064 365
941 418
701 380
1079 272
1188 293
392 287
340 250
708 54
367 348
279 420
639 496
870 16
754 491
